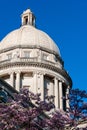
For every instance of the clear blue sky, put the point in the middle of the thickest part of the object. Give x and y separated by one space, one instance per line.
64 20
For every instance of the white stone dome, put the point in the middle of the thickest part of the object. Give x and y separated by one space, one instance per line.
30 58
29 35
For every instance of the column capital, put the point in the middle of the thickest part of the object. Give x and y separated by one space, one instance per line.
60 81
11 72
40 73
17 72
55 78
35 72
68 87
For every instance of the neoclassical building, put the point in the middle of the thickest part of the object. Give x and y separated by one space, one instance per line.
30 58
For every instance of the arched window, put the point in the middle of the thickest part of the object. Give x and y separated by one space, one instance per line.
26 20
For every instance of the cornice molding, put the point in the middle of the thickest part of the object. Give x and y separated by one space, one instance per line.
28 47
37 64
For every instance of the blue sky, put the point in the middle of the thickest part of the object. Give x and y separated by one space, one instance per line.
64 20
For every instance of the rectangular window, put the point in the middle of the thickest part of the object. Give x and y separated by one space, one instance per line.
26 19
55 58
45 56
9 56
27 54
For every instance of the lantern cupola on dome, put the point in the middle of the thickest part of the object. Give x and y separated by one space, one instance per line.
28 18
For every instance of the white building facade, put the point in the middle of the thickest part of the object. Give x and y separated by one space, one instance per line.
30 58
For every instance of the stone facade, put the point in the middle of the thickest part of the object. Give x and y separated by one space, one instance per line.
30 58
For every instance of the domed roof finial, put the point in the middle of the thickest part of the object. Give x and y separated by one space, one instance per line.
28 18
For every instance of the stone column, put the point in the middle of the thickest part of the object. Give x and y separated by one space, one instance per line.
12 79
67 93
18 81
42 86
60 95
56 92
35 82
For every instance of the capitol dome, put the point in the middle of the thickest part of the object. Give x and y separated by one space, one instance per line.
30 58
29 36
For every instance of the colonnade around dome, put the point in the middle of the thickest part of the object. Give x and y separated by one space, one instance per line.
38 82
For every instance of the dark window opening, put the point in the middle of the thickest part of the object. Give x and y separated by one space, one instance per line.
26 20
64 95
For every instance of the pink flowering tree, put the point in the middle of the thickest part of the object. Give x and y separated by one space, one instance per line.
77 108
26 111
20 113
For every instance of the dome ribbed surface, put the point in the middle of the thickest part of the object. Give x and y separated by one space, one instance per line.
29 35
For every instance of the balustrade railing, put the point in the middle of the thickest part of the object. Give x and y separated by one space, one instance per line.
29 59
